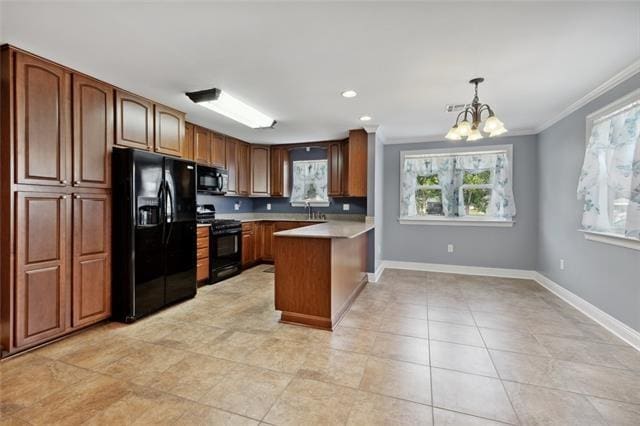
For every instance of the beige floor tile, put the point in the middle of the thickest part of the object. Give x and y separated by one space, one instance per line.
617 413
30 378
471 394
97 355
465 358
248 391
454 316
397 379
401 348
359 319
451 418
310 402
298 333
11 421
514 341
280 355
352 339
536 406
188 336
211 416
192 376
408 310
232 345
587 352
455 333
405 327
371 409
334 366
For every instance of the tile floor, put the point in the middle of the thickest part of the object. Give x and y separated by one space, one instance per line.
415 348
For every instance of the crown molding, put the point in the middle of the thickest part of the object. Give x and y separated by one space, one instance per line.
623 75
370 128
441 138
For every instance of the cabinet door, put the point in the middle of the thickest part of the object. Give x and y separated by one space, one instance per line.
202 146
260 175
248 254
134 121
92 132
169 130
41 241
279 172
91 282
267 240
187 143
218 157
43 119
336 168
231 154
244 171
356 185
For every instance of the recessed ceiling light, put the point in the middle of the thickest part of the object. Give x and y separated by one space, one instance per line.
349 94
365 118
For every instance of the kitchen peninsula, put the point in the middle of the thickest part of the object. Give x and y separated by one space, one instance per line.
320 270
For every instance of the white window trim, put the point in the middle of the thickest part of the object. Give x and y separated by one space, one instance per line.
610 238
460 220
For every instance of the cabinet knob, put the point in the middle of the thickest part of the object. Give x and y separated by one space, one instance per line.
64 197
76 182
77 197
64 182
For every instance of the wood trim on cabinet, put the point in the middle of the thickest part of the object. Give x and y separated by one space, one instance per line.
93 128
134 121
231 155
218 150
169 130
202 146
187 143
357 163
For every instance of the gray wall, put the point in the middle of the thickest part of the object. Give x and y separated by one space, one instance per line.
494 247
604 275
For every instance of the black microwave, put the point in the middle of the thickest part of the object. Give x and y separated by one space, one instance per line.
212 180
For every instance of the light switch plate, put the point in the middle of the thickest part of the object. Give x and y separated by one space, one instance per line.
450 248
345 207
236 206
268 206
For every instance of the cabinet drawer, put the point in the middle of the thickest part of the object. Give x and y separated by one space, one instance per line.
203 253
248 227
203 232
202 270
202 243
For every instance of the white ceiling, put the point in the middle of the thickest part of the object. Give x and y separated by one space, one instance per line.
292 59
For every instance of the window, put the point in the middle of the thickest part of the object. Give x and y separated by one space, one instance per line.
464 185
310 183
610 179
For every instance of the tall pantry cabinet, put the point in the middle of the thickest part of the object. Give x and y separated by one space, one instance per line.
56 136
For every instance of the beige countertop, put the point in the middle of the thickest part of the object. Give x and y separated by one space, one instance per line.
203 225
289 217
331 229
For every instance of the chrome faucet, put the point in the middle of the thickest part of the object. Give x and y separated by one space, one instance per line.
307 205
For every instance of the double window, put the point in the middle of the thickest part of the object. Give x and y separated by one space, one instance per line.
457 185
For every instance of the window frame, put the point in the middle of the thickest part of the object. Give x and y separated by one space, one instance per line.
297 203
460 220
437 187
627 101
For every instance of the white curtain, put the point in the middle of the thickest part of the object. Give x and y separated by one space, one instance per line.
309 181
610 177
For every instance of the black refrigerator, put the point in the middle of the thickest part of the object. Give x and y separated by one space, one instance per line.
154 232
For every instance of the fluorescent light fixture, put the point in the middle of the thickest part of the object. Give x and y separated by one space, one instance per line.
225 104
365 118
349 94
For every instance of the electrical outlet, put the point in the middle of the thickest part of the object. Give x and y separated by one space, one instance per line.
268 206
345 207
450 248
236 206
562 264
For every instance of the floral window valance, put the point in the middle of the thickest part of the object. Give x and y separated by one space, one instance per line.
310 183
610 179
457 184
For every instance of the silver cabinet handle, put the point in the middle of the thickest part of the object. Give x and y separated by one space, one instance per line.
76 182
77 197
63 182
64 197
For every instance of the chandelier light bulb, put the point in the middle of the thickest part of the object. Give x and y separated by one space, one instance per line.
492 124
464 128
497 132
453 134
474 134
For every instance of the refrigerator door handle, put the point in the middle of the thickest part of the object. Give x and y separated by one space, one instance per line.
169 203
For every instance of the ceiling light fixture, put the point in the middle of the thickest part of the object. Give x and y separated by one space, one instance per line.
225 104
349 94
365 118
469 126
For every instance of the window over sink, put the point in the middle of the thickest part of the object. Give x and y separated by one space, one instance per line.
310 181
471 185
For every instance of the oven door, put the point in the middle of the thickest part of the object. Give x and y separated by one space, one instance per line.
226 248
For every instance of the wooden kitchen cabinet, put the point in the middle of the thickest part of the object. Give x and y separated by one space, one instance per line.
243 168
202 256
134 121
42 122
356 160
41 266
279 171
218 148
266 233
231 155
202 146
93 132
259 166
335 160
187 143
169 130
248 244
91 281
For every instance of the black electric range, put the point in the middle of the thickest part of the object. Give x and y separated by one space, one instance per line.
225 243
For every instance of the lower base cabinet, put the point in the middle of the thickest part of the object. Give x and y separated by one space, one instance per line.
248 244
202 247
257 239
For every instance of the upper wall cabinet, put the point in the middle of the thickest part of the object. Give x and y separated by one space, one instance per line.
134 121
279 171
260 175
187 143
244 169
92 132
202 146
231 156
43 122
356 164
218 155
335 157
169 130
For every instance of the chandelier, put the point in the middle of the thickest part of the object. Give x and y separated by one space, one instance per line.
469 127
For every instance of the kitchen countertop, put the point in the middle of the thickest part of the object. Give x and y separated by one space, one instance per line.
289 217
331 229
203 225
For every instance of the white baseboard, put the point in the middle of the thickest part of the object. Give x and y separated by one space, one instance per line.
375 276
617 327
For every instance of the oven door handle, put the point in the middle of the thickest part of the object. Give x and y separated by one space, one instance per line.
227 232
